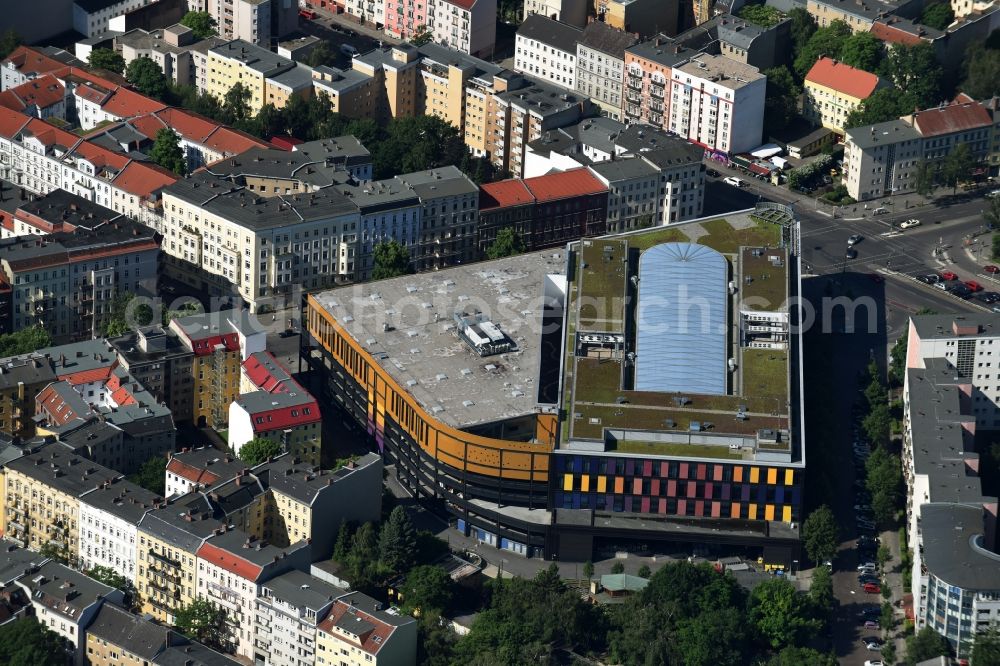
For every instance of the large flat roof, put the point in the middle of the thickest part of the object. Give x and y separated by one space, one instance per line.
954 551
407 324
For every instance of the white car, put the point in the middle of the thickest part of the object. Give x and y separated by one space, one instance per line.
732 180
874 662
994 193
909 223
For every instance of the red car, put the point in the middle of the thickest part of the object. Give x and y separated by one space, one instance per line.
991 269
872 588
307 14
973 285
948 275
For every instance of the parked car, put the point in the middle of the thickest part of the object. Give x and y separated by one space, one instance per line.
874 662
973 285
943 286
960 290
712 172
307 14
991 269
948 276
912 222
872 588
871 624
732 180
287 333
988 297
348 50
880 211
866 565
870 611
994 193
854 240
872 644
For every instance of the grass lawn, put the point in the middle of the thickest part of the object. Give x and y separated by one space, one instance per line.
602 285
768 288
723 238
672 449
657 236
224 434
765 379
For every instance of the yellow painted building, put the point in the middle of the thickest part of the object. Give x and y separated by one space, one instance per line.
357 632
245 63
858 15
833 90
646 17
42 497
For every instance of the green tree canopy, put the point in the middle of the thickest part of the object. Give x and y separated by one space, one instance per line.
981 66
877 424
882 105
780 614
958 166
862 50
824 41
819 534
427 590
781 103
236 104
259 449
26 642
322 54
507 243
798 656
421 36
152 475
926 644
618 567
117 580
126 315
986 649
417 143
803 25
821 591
763 15
147 77
938 15
25 340
915 71
397 542
167 152
884 482
107 59
205 622
9 41
201 23
392 259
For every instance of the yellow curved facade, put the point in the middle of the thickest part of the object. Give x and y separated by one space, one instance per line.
522 461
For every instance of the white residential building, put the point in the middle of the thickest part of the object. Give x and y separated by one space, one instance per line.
468 26
109 517
174 49
91 17
371 12
260 22
232 566
546 49
196 469
289 608
573 12
718 103
600 65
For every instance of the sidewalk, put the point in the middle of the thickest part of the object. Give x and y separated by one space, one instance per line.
351 22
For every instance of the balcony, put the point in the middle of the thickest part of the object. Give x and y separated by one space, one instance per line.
634 84
656 91
163 559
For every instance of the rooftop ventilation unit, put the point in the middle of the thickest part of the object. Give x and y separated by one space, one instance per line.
484 336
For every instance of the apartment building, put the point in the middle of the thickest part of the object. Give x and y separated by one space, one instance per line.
169 538
66 601
91 17
260 22
717 103
190 470
117 636
351 93
56 211
884 159
40 158
232 567
20 380
633 193
240 61
833 89
42 497
97 101
648 70
357 632
225 238
309 167
368 11
573 12
449 203
42 98
273 406
161 362
523 114
468 26
547 49
754 45
289 609
26 63
600 66
109 520
313 502
65 281
545 211
646 17
174 48
219 343
295 82
857 14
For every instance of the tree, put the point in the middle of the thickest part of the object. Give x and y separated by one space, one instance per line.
986 649
259 449
9 41
107 59
821 591
51 551
862 50
151 475
796 656
882 105
819 534
397 542
147 77
992 213
126 315
421 36
167 152
915 71
781 103
897 359
618 567
392 259
958 166
938 15
644 571
427 590
924 184
803 25
114 579
878 424
926 644
27 642
417 143
24 341
205 622
342 547
780 614
982 71
883 555
321 55
824 41
236 104
763 15
507 243
201 23
884 481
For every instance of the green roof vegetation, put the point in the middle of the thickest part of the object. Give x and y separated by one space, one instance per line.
674 449
725 239
768 286
637 417
603 268
765 379
660 235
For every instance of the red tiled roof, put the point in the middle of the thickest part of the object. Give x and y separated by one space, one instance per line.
192 473
285 142
28 59
42 92
843 78
286 417
11 122
91 94
229 561
893 35
9 100
259 373
951 118
504 193
463 4
143 178
370 641
126 103
100 156
101 374
55 408
563 185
